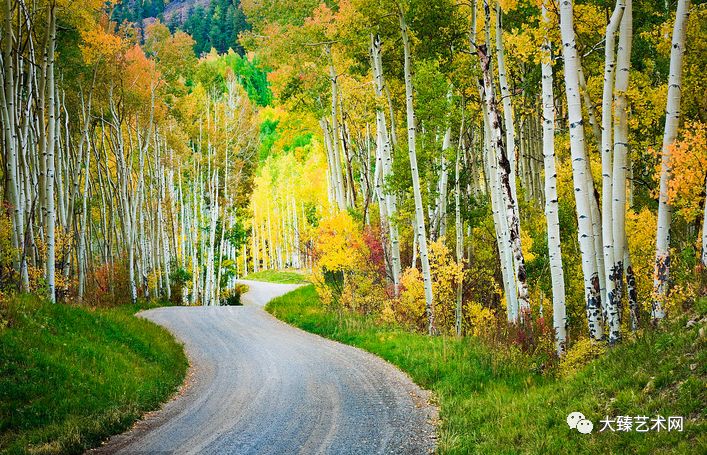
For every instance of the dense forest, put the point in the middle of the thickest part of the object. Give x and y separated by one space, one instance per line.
212 24
422 158
529 173
466 188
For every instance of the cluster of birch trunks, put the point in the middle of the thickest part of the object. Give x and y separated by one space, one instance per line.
96 185
505 146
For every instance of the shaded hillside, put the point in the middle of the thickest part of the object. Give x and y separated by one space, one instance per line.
212 23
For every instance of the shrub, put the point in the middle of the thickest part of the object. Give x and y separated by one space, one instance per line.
232 297
178 278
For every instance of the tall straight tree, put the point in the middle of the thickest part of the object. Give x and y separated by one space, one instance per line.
612 300
412 152
384 148
623 60
506 100
559 310
49 154
510 209
580 168
672 119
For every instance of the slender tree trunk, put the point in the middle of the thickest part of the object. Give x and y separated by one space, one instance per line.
384 149
672 119
459 232
336 169
612 300
559 311
506 101
51 143
505 174
613 310
412 150
580 169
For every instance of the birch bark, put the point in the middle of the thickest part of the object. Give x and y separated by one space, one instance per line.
672 118
412 151
613 307
559 311
580 170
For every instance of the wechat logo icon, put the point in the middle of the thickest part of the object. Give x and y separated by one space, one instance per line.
576 420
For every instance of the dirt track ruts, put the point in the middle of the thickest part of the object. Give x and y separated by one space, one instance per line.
259 386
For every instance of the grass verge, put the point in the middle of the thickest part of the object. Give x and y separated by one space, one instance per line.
71 376
278 276
495 403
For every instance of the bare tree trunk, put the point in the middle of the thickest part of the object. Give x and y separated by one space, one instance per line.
613 310
412 150
612 300
559 310
336 168
580 169
672 118
505 174
51 143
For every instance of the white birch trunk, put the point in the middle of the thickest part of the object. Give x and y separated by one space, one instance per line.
672 119
623 60
505 173
51 142
580 169
412 150
506 101
559 310
612 300
384 148
459 233
336 157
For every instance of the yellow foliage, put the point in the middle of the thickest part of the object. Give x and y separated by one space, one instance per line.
688 164
641 228
527 244
339 245
446 273
579 354
481 320
409 308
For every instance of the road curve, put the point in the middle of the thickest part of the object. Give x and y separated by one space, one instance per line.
259 386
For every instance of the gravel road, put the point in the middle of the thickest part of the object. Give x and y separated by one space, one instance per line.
259 386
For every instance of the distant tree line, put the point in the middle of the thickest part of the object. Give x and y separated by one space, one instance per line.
214 26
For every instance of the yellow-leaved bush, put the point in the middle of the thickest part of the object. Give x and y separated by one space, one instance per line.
343 275
409 308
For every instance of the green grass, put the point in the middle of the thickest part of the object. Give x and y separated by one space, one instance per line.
278 276
497 404
71 376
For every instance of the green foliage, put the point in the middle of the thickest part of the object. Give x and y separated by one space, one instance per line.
232 297
214 70
71 376
178 279
278 276
492 400
268 135
215 26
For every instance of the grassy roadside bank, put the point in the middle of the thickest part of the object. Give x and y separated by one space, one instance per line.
278 276
495 403
71 376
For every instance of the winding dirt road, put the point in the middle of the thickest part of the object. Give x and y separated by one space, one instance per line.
259 386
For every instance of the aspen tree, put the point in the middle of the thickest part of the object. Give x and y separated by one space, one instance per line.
412 152
384 151
50 159
580 169
559 311
611 301
672 118
623 59
510 209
